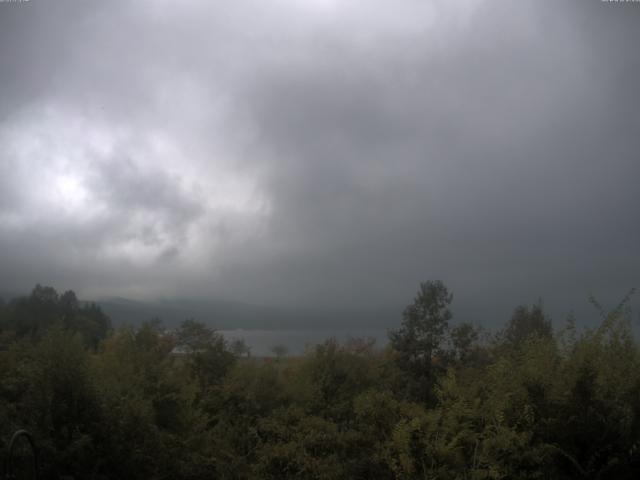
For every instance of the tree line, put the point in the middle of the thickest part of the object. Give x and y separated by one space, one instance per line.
440 401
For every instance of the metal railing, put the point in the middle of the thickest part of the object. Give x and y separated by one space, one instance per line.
9 471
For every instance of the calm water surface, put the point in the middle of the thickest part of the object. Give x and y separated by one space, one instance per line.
296 341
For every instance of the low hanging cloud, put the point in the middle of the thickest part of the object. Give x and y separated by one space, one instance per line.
321 152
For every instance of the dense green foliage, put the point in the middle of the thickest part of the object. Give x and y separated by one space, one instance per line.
440 402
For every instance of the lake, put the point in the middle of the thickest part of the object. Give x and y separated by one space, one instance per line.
296 341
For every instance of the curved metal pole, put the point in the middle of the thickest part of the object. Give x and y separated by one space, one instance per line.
12 444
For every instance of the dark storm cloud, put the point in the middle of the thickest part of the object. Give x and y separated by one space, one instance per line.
306 154
505 162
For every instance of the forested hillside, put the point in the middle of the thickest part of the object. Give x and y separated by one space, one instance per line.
444 400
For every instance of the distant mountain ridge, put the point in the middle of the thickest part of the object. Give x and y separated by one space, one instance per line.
224 314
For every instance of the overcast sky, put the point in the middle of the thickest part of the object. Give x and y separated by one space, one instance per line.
321 152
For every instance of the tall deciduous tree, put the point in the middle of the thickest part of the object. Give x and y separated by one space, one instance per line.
208 356
419 339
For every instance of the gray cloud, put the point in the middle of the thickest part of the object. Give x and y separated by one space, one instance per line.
304 153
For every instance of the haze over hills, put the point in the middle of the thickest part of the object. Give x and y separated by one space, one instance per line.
224 314
260 326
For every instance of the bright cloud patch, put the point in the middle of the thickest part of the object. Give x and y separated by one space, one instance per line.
76 173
